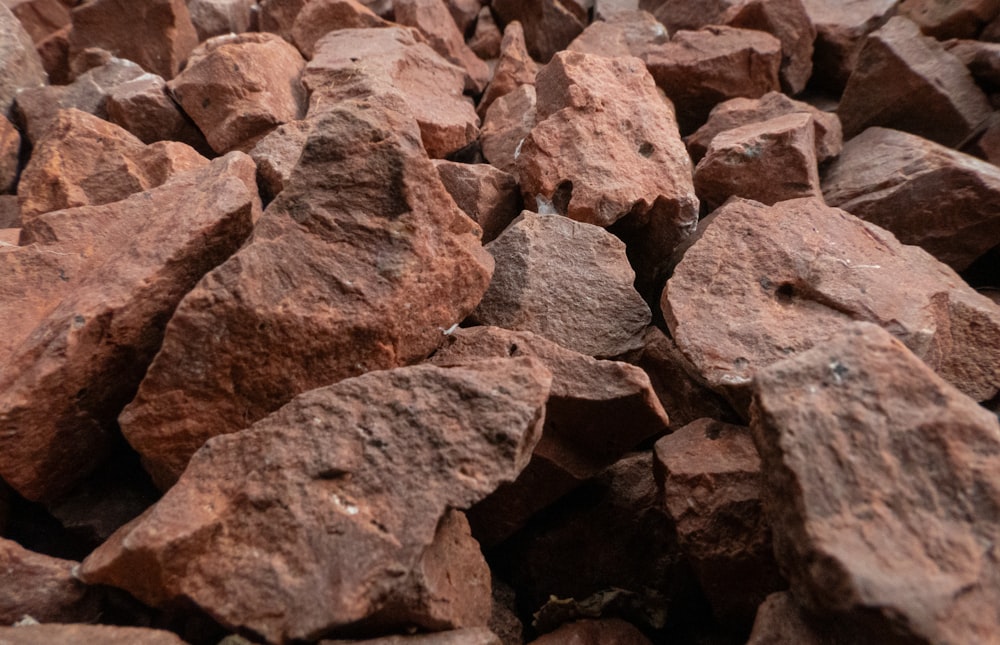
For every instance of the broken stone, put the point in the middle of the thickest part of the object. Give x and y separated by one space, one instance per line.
605 631
432 19
468 636
40 18
867 452
10 215
567 281
907 81
788 21
342 499
513 69
239 88
86 635
841 29
359 264
54 53
508 122
780 620
278 16
220 17
504 621
42 587
768 161
84 312
10 155
789 276
277 154
144 107
624 33
155 34
20 66
319 17
485 40
982 59
549 25
489 196
962 19
946 202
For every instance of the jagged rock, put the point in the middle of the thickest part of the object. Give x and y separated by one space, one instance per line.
513 69
54 53
508 122
42 587
841 29
489 196
982 60
278 16
605 631
20 66
40 18
86 635
319 17
219 17
486 39
10 155
623 33
10 215
433 19
144 107
549 25
961 19
278 153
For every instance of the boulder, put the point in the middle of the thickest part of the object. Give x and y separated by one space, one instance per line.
10 155
20 65
319 17
433 19
144 107
508 122
489 196
549 25
42 587
513 69
76 634
961 19
220 17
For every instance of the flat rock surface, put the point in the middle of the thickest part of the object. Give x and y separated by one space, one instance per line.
319 17
433 19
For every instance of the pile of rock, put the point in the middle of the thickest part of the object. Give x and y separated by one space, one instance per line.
434 322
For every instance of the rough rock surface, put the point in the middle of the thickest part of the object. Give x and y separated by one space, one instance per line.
567 281
882 488
76 634
606 631
906 81
962 19
788 276
277 154
549 25
359 264
788 21
319 17
486 39
40 17
841 29
944 201
982 59
489 196
42 587
624 33
144 107
432 19
10 151
324 473
780 620
468 636
508 123
20 66
84 308
513 69
219 17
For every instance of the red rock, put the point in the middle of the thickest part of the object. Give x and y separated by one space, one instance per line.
10 214
982 59
83 160
606 631
944 201
841 29
156 34
86 635
277 154
789 276
710 476
359 264
239 88
909 82
740 111
549 25
489 196
144 107
881 477
699 69
75 348
40 18
485 40
339 492
624 33
42 587
319 17
433 19
219 17
780 621
508 122
431 86
987 145
10 236
464 13
20 66
54 54
278 16
567 281
10 155
768 161
468 636
962 19
513 69
606 9
788 21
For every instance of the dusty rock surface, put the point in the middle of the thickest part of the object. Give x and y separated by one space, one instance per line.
219 17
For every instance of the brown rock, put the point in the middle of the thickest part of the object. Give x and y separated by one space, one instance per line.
486 39
709 473
781 621
623 33
76 347
504 621
513 69
549 25
10 214
606 9
156 34
788 21
699 69
239 88
10 155
54 54
40 18
277 154
359 264
596 412
278 16
785 278
881 477
944 201
42 587
340 493
432 19
431 86
982 59
319 17
740 111
219 17
83 160
20 66
144 107
567 281
489 196
909 82
468 636
606 631
962 19
841 29
769 161
86 635
508 122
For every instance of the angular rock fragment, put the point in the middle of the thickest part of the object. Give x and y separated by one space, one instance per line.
219 17
946 202
769 161
780 620
486 39
624 33
961 19
10 215
489 196
467 636
144 107
788 21
40 18
359 264
20 66
432 19
278 16
54 53
508 123
549 25
982 59
606 9
513 69
907 81
10 155
606 631
319 17
84 309
239 88
841 28
76 634
277 154
42 587
881 489
786 277
337 485
567 281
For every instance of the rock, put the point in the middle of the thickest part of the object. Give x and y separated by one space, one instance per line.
867 452
278 16
42 587
239 88
699 69
710 477
567 281
156 34
468 636
319 17
10 155
40 18
606 148
909 82
841 29
10 214
220 17
489 196
9 236
83 160
54 54
787 277
486 39
513 69
144 107
741 111
982 59
788 21
768 161
605 631
431 86
504 621
86 635
596 412
20 66
76 347
343 502
549 25
277 154
623 33
359 264
780 620
962 19
944 201
508 122
432 19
